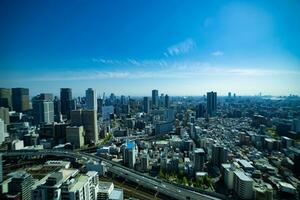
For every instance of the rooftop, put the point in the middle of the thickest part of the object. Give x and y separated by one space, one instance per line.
243 176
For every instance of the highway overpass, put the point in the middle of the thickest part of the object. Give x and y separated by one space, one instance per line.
146 181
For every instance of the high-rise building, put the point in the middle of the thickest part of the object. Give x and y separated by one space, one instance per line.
99 105
145 162
200 110
57 109
161 100
46 96
87 119
1 168
75 135
21 182
91 100
5 98
211 103
43 111
2 131
199 158
130 153
66 101
20 99
243 185
123 100
167 101
146 105
154 98
4 115
219 155
229 95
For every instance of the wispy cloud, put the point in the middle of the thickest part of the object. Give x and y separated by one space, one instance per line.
131 62
217 53
167 69
181 48
106 61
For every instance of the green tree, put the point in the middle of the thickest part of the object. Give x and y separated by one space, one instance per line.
185 181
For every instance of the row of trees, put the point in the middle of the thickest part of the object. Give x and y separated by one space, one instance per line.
180 178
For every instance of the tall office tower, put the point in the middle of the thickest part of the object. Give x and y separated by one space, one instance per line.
130 153
20 99
1 168
57 109
5 98
199 158
75 135
99 105
154 98
66 101
211 103
2 131
43 111
219 155
46 96
200 110
145 162
91 100
21 182
4 115
167 101
229 95
161 100
87 119
146 105
123 100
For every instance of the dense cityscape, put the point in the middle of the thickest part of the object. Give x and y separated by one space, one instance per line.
149 100
153 147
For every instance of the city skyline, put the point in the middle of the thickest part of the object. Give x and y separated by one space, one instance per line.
130 48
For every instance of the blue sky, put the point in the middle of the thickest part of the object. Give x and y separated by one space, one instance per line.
130 47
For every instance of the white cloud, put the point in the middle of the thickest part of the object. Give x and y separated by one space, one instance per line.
106 61
167 69
181 48
217 53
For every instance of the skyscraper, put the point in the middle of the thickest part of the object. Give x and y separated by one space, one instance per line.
154 98
1 168
4 115
211 103
75 135
46 96
21 182
229 95
219 155
43 110
20 99
87 119
66 101
161 100
199 156
200 110
57 109
2 130
129 154
91 100
146 105
5 98
167 101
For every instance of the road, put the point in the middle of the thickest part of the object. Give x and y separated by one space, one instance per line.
146 181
